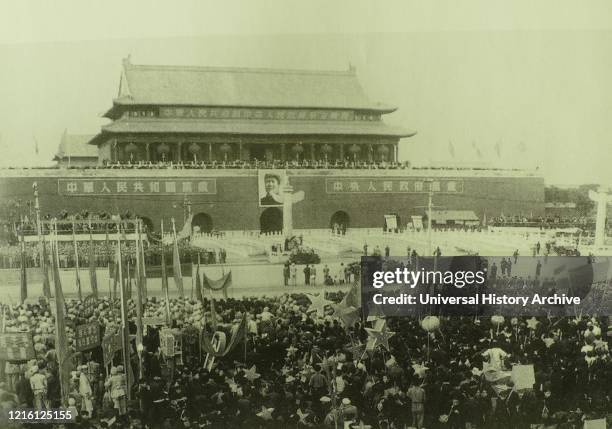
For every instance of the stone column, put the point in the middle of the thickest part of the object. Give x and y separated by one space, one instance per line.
342 152
283 152
148 151
288 209
602 198
312 151
179 147
210 154
240 151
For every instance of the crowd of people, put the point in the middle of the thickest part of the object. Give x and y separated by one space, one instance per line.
306 366
103 252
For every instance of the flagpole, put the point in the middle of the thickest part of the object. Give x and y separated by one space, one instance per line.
60 345
24 274
139 327
124 323
93 279
164 277
143 265
176 263
39 231
76 261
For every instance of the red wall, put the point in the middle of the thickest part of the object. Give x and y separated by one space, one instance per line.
235 206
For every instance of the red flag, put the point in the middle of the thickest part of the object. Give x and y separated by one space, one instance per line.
198 285
76 262
60 330
93 279
176 267
44 265
24 275
164 275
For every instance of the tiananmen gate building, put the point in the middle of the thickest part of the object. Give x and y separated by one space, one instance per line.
225 142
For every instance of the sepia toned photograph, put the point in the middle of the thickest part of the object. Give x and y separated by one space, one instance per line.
326 214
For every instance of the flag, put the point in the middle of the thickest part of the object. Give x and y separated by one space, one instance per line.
213 313
93 279
477 150
24 279
35 145
76 262
143 268
125 335
217 285
186 231
164 280
451 149
139 287
176 268
60 330
198 284
498 149
45 270
129 277
238 335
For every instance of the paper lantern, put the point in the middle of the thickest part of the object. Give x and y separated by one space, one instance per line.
497 320
430 323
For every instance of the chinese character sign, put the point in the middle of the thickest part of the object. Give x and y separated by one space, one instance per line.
139 186
16 346
362 185
87 336
166 343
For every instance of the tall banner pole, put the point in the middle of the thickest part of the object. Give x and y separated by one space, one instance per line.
139 327
108 263
76 261
124 323
41 245
142 262
176 263
164 275
60 321
24 272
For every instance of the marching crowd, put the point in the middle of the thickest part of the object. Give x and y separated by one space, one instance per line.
308 363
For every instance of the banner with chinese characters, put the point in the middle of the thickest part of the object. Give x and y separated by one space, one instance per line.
16 346
154 321
138 186
361 185
89 305
87 336
166 343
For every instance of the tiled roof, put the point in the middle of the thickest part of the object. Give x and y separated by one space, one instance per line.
242 87
76 145
251 126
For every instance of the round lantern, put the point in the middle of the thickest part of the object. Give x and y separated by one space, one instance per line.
497 320
430 323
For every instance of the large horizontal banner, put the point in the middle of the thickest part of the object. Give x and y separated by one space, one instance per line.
16 346
139 186
361 185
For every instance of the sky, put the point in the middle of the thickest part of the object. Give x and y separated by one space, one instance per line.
530 77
